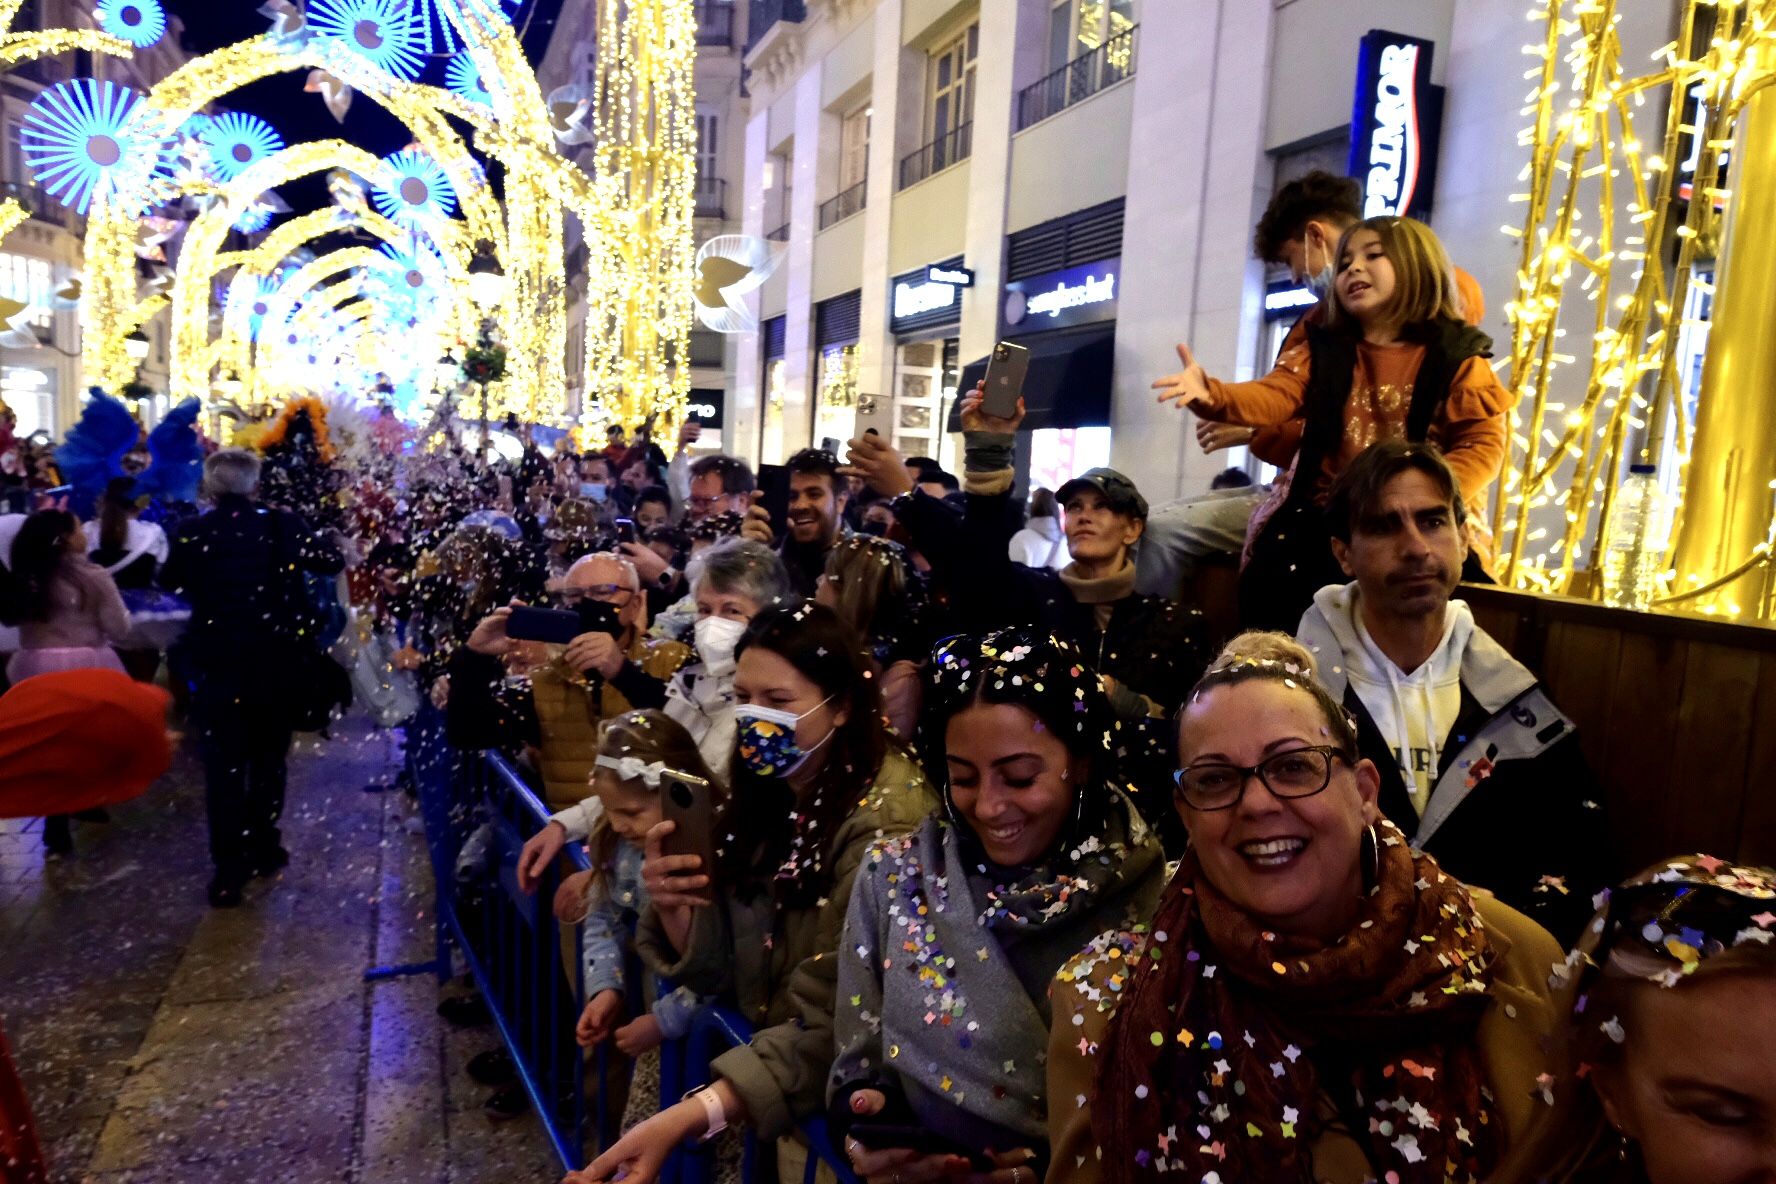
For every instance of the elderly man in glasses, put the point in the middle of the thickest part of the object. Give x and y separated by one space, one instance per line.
571 689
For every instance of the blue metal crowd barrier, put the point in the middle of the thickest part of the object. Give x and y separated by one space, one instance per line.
513 948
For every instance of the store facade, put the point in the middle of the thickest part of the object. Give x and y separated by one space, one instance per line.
925 318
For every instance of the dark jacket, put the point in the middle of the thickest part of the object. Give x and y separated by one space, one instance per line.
239 566
1291 558
1515 808
1153 647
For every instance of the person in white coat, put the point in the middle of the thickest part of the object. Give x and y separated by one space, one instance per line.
1042 542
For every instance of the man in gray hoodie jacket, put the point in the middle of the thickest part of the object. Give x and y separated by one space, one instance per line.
1477 763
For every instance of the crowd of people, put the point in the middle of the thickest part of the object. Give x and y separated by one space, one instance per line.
1015 868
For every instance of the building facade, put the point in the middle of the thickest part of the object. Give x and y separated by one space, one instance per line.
1082 177
41 261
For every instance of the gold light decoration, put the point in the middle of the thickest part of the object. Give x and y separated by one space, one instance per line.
12 215
639 271
1603 213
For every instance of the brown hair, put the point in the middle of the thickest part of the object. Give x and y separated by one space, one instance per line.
1424 279
1316 196
1258 656
651 737
868 576
1358 489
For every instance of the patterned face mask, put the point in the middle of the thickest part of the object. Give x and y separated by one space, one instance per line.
767 739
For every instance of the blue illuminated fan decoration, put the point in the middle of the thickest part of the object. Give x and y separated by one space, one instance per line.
238 141
386 33
413 190
250 300
80 136
139 22
440 32
253 219
463 77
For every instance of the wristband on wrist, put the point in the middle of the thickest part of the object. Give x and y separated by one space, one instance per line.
715 1118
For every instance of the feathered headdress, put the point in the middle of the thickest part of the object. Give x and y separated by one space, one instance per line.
175 456
94 450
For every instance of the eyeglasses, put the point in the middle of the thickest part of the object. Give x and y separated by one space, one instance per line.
1297 773
705 504
606 593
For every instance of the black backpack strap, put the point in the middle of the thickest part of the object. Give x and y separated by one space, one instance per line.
1332 360
1448 346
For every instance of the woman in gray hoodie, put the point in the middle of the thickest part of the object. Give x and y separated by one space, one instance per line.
955 931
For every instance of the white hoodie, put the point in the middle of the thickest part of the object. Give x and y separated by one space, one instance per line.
1041 543
1414 711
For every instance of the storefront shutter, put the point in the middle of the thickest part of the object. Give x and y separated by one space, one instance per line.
837 321
1083 237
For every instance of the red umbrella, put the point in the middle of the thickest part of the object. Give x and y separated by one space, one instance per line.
78 740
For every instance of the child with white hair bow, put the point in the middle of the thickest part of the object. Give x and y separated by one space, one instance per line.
635 752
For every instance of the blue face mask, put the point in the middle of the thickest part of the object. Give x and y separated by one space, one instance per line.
592 489
766 739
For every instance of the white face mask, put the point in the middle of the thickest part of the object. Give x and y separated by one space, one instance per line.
716 639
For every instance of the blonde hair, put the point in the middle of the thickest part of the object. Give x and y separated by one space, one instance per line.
1424 279
651 737
1258 645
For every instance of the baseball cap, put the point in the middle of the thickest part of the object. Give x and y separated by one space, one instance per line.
1118 491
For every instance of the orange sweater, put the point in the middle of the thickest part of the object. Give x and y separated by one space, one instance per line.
1469 427
1278 443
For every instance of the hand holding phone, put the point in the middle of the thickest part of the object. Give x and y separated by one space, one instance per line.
688 802
1006 371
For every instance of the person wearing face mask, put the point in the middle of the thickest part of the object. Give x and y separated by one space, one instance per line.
762 928
1037 851
1299 230
1312 999
1147 648
734 583
1393 360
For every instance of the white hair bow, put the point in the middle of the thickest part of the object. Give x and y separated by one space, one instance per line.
633 768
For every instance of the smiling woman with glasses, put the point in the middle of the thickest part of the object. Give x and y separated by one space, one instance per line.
1312 1000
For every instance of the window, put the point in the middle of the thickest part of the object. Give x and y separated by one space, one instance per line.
854 148
15 153
1076 27
952 84
27 279
708 145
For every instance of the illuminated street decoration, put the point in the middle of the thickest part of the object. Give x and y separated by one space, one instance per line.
1610 254
81 137
463 77
439 20
387 33
142 23
254 218
238 141
413 190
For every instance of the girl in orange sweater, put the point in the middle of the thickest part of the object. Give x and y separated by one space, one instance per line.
1393 360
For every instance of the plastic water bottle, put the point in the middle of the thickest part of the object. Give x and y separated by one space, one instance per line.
1634 552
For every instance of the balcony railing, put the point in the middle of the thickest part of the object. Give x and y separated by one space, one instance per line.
780 235
715 22
40 205
1080 78
712 197
848 202
766 13
948 149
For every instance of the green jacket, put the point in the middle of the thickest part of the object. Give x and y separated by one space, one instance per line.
779 969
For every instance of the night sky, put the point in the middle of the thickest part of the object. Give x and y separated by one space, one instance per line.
297 116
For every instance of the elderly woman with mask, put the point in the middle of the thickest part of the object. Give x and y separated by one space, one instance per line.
1313 1000
1037 851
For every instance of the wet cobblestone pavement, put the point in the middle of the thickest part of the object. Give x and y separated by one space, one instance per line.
165 1042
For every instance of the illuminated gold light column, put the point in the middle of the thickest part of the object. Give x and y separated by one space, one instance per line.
639 273
1727 499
